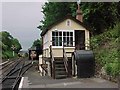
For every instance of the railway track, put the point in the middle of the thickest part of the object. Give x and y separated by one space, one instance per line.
5 67
12 77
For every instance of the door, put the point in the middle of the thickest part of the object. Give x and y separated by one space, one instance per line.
79 39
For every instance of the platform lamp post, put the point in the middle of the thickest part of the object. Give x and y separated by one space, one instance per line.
13 48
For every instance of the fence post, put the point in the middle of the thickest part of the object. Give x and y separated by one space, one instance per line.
40 62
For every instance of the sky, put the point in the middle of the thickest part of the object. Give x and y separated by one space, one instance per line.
21 19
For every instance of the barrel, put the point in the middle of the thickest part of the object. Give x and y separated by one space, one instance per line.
85 62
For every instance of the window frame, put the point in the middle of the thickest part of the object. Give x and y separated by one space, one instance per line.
73 45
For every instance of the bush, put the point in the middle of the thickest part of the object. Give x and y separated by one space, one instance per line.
8 54
107 53
112 69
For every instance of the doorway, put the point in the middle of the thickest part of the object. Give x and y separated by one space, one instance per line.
79 40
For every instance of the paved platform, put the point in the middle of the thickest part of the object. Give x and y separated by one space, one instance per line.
32 79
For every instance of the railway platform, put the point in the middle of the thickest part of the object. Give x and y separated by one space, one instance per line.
32 79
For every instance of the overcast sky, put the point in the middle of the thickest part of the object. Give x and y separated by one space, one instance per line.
21 19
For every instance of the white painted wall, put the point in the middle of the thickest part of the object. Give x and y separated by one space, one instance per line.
47 38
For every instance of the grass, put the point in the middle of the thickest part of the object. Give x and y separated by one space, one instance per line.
105 47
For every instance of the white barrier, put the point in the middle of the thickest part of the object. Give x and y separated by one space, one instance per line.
40 62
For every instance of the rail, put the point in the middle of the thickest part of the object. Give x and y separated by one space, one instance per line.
15 73
20 74
52 63
65 59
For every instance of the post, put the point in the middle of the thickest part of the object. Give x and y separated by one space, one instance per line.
40 68
13 53
13 48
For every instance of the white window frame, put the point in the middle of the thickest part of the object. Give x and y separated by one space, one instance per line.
62 39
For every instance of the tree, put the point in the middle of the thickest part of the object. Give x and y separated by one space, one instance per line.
53 11
98 16
17 45
37 43
7 41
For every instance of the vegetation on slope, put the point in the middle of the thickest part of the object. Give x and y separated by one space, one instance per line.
105 47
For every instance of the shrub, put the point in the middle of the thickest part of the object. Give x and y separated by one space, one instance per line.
107 53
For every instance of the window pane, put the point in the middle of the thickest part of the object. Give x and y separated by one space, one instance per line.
60 33
56 41
53 33
64 41
68 41
56 33
53 41
60 41
71 41
67 33
66 38
71 33
64 33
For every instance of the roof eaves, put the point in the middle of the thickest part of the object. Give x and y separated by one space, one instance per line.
60 20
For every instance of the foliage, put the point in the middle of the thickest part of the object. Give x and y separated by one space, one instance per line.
98 16
16 43
37 43
105 47
53 11
6 43
112 69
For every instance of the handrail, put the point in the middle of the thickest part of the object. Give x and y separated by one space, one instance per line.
65 59
51 53
52 62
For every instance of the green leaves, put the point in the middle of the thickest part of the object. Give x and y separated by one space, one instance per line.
17 45
107 52
6 42
54 11
113 68
99 16
37 43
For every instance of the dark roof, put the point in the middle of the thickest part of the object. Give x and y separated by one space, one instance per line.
59 21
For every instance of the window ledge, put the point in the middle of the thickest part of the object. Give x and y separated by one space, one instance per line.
62 47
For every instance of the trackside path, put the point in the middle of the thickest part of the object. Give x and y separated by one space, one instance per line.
32 79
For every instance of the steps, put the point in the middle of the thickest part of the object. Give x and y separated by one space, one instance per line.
60 71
